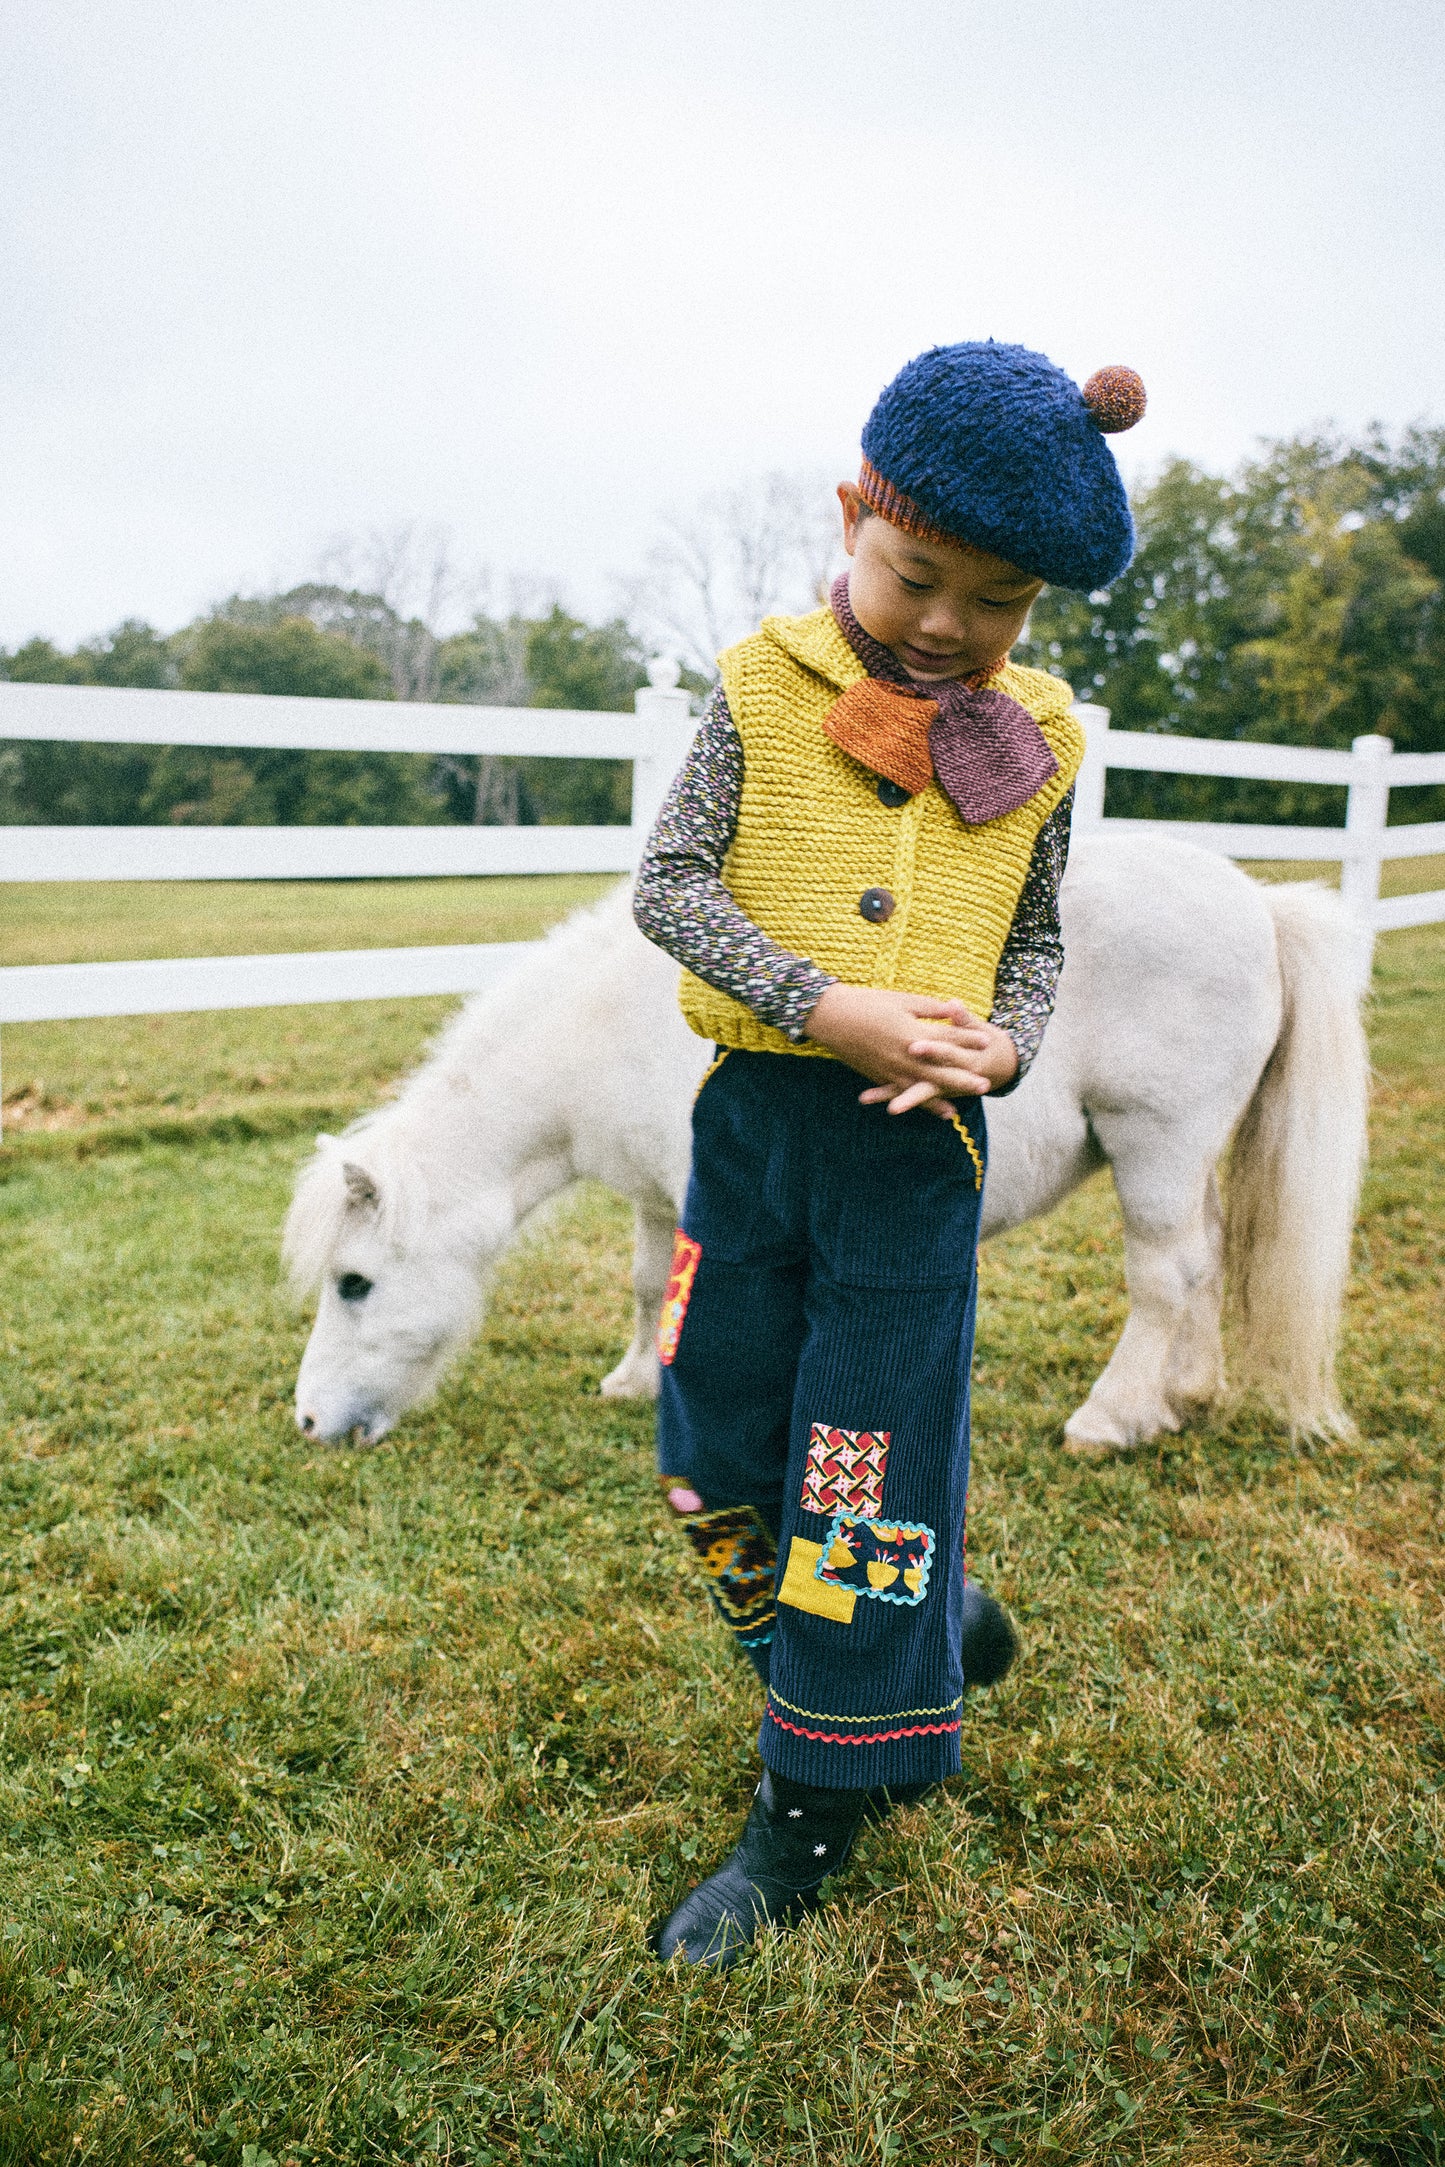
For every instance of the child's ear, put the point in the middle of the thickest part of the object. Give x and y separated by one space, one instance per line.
852 505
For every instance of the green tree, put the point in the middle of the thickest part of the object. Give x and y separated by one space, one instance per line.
266 787
1298 601
553 661
133 654
86 785
40 662
574 664
291 656
405 647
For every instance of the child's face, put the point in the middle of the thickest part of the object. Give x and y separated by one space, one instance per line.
943 611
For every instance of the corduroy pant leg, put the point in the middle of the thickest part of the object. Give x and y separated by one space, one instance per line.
732 1327
866 1683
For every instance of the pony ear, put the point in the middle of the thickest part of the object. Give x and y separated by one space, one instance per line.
362 1193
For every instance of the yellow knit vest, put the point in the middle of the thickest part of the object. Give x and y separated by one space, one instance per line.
812 835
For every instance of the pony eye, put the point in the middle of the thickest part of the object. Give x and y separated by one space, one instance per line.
352 1287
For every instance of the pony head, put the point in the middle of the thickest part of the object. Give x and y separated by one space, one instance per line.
398 1264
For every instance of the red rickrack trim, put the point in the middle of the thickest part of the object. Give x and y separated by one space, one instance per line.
865 1738
901 511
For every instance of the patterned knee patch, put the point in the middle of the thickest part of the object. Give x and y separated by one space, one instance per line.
739 1560
844 1470
886 1560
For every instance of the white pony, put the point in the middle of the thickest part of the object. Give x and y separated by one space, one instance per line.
1195 1006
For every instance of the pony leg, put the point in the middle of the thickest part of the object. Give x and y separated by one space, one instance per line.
1169 1353
635 1377
1196 1361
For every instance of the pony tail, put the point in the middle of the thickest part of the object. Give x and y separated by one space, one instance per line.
1295 1171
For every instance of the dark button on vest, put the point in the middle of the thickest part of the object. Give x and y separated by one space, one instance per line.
876 905
893 794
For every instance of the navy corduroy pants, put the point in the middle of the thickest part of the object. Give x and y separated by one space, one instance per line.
816 1344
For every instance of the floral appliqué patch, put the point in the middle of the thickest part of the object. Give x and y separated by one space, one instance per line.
844 1471
686 1256
889 1560
740 1561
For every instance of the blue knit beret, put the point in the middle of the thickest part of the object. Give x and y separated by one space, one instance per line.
994 446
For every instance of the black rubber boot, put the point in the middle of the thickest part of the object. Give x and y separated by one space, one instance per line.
795 1837
988 1646
989 1642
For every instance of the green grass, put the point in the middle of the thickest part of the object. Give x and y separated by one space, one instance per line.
76 921
337 1791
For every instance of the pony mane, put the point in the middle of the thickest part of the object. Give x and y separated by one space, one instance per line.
390 1144
322 1204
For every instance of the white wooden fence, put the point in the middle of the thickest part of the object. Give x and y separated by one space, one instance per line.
654 739
1369 771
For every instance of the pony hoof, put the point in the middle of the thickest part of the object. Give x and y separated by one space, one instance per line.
1093 1448
1093 1435
629 1381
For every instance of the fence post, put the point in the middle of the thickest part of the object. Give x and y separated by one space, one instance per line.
1094 774
667 710
1367 813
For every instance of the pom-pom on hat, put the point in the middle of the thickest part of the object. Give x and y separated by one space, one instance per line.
994 447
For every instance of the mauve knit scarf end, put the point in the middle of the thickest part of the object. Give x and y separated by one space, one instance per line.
989 754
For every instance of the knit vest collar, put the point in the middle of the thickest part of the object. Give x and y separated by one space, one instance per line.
985 749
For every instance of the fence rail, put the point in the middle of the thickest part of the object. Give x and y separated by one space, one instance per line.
654 739
308 853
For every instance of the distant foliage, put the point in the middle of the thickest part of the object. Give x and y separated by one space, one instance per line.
288 656
555 660
1299 601
327 642
134 654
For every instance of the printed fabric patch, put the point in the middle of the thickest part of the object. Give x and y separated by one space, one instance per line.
844 1471
739 1560
686 1256
889 1560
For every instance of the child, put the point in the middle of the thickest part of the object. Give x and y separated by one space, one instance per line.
860 862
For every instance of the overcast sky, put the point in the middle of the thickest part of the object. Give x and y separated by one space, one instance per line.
277 272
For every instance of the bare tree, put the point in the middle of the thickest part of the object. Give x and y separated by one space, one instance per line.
394 590
486 666
717 571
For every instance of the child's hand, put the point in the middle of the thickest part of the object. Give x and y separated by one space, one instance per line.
974 1057
878 1032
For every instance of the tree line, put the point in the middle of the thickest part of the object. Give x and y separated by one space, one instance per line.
1297 600
329 642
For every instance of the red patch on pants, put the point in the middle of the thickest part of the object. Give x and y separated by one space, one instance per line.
686 1256
844 1471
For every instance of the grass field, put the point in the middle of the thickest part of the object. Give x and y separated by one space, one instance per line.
337 1791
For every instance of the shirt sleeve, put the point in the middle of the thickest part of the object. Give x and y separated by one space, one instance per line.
1033 954
680 901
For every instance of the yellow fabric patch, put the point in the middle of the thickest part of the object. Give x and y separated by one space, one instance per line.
812 837
805 1593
